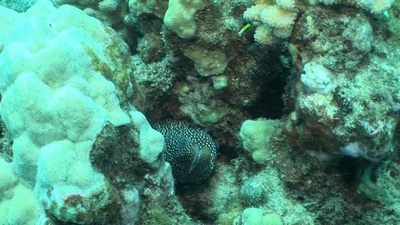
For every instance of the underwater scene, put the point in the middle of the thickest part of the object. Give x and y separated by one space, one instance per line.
200 112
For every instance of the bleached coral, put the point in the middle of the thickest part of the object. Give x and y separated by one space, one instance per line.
263 35
108 5
373 6
180 17
58 94
286 4
156 7
317 78
206 62
253 13
283 32
277 19
377 6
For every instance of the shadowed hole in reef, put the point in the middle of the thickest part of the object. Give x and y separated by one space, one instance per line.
270 72
272 76
269 103
348 168
192 200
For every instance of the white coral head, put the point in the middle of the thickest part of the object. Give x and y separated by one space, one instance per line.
287 4
317 78
275 16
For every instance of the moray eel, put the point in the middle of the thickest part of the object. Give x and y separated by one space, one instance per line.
190 151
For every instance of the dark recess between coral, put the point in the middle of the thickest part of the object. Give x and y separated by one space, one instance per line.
273 75
270 103
348 168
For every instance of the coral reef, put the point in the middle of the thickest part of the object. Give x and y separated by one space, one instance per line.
274 20
353 117
264 112
64 97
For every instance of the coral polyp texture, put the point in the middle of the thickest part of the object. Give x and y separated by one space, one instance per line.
58 94
317 78
274 19
239 112
50 113
342 99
